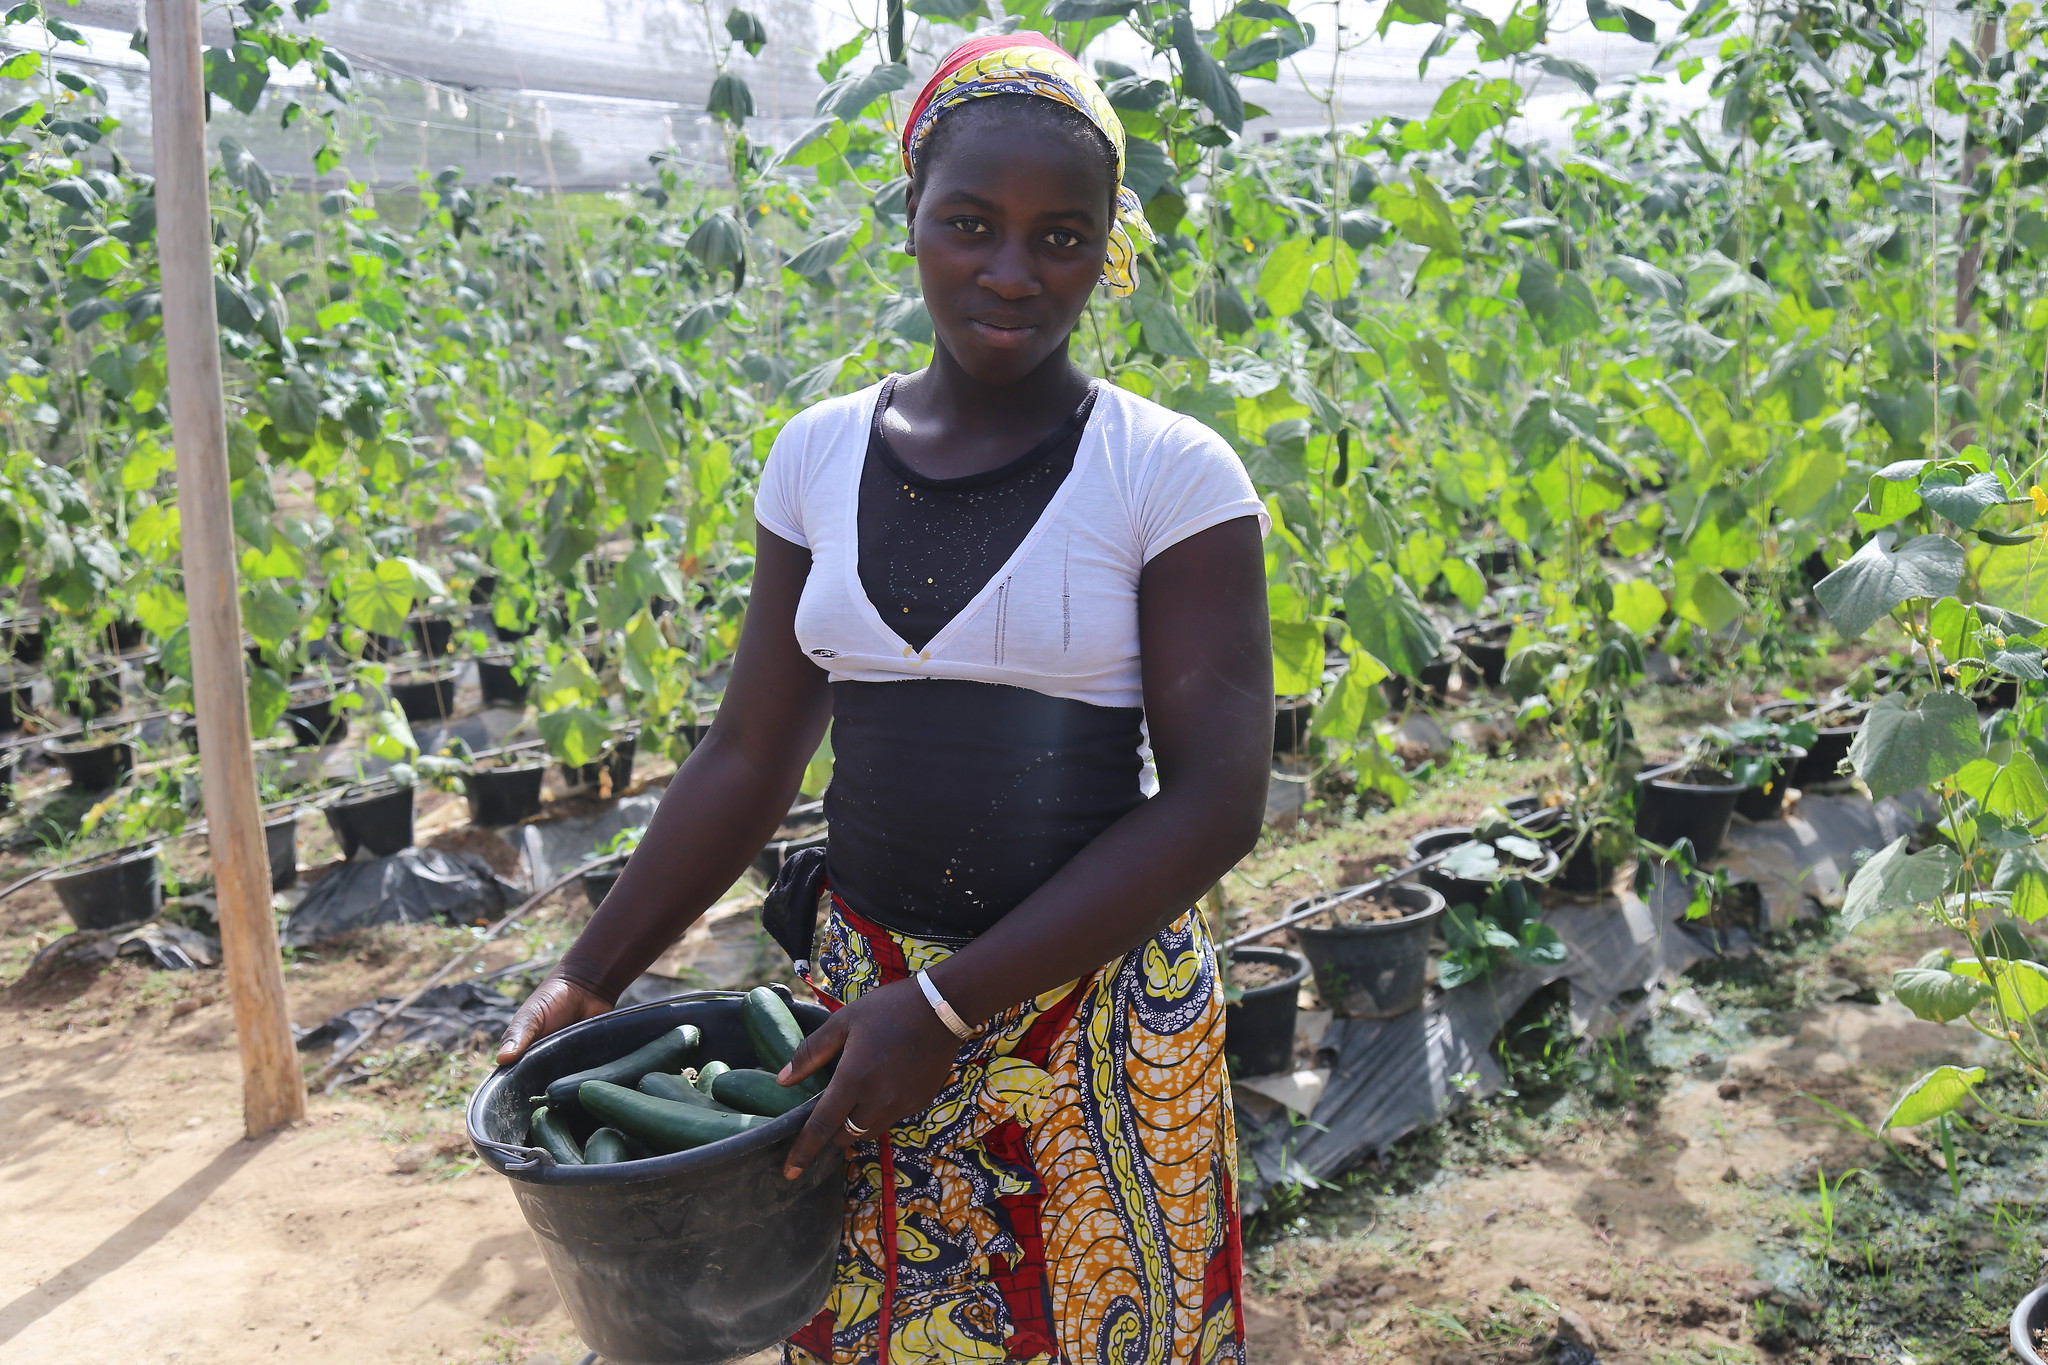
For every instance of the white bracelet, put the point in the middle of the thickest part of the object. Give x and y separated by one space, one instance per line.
947 1014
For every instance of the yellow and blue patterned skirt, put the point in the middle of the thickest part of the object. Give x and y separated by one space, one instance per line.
1069 1196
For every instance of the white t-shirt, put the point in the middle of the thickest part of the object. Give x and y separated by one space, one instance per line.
1061 616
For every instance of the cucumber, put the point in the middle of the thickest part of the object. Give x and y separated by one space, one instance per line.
708 1073
663 1086
666 1053
664 1125
758 1092
607 1147
771 1028
551 1136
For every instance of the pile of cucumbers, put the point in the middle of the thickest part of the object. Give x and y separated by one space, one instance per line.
652 1101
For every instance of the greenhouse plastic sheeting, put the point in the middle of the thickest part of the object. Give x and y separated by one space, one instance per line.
446 1018
409 887
552 847
1388 1077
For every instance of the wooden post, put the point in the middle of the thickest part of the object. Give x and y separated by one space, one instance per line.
272 1091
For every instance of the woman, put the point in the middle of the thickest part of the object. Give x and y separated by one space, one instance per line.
964 569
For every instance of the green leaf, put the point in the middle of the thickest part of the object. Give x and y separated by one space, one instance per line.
1578 73
160 610
1937 994
1638 605
1203 77
1353 703
575 736
268 698
1559 302
1418 211
1941 1091
1900 747
731 100
1385 618
1297 657
1893 879
240 166
1878 578
270 615
1963 501
747 31
377 599
2019 985
1613 18
820 256
237 76
849 96
1160 325
1646 281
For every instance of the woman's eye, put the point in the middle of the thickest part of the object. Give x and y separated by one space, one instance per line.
1062 238
973 225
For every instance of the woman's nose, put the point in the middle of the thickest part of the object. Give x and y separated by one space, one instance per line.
1010 272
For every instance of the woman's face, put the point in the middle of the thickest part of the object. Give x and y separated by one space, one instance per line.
1010 230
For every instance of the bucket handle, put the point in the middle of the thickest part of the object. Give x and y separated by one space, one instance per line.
515 1158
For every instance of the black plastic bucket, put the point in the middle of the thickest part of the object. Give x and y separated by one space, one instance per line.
1468 890
426 696
316 722
1760 803
377 819
1258 1026
1374 971
433 633
687 1259
1670 807
504 796
119 889
281 843
95 692
96 765
1485 647
495 679
1830 746
1291 717
382 648
481 590
8 759
618 764
126 636
599 881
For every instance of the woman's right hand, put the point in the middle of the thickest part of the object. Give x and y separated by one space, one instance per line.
554 1005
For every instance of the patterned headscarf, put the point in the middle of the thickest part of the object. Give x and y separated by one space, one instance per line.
1032 64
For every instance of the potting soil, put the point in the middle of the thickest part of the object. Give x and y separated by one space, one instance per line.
1388 1077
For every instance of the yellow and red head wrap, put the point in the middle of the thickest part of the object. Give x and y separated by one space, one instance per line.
1032 64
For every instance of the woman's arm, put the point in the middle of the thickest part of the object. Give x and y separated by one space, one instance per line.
1208 669
721 807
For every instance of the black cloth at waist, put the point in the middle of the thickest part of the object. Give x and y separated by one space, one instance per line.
951 801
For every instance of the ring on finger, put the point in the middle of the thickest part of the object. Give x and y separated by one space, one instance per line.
855 1130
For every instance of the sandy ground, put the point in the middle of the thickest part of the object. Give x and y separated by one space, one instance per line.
148 1231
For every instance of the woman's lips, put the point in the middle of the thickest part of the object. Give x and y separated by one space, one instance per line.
1003 334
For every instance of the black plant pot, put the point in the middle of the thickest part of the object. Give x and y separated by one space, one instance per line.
122 888
434 634
382 648
1674 802
96 692
17 699
426 696
1291 717
598 882
25 638
510 633
316 722
125 636
504 796
1766 802
1435 679
1824 756
1471 890
808 824
694 731
378 819
500 686
617 765
481 590
1374 971
95 764
1495 560
1485 647
2029 1327
9 760
1258 1027
281 842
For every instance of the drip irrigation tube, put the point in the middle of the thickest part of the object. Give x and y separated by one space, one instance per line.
1352 894
329 1076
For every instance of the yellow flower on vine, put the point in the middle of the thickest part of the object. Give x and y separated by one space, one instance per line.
2040 497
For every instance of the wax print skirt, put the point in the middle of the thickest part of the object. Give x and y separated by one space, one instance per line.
1068 1198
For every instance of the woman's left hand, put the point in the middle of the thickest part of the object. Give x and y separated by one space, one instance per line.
894 1055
